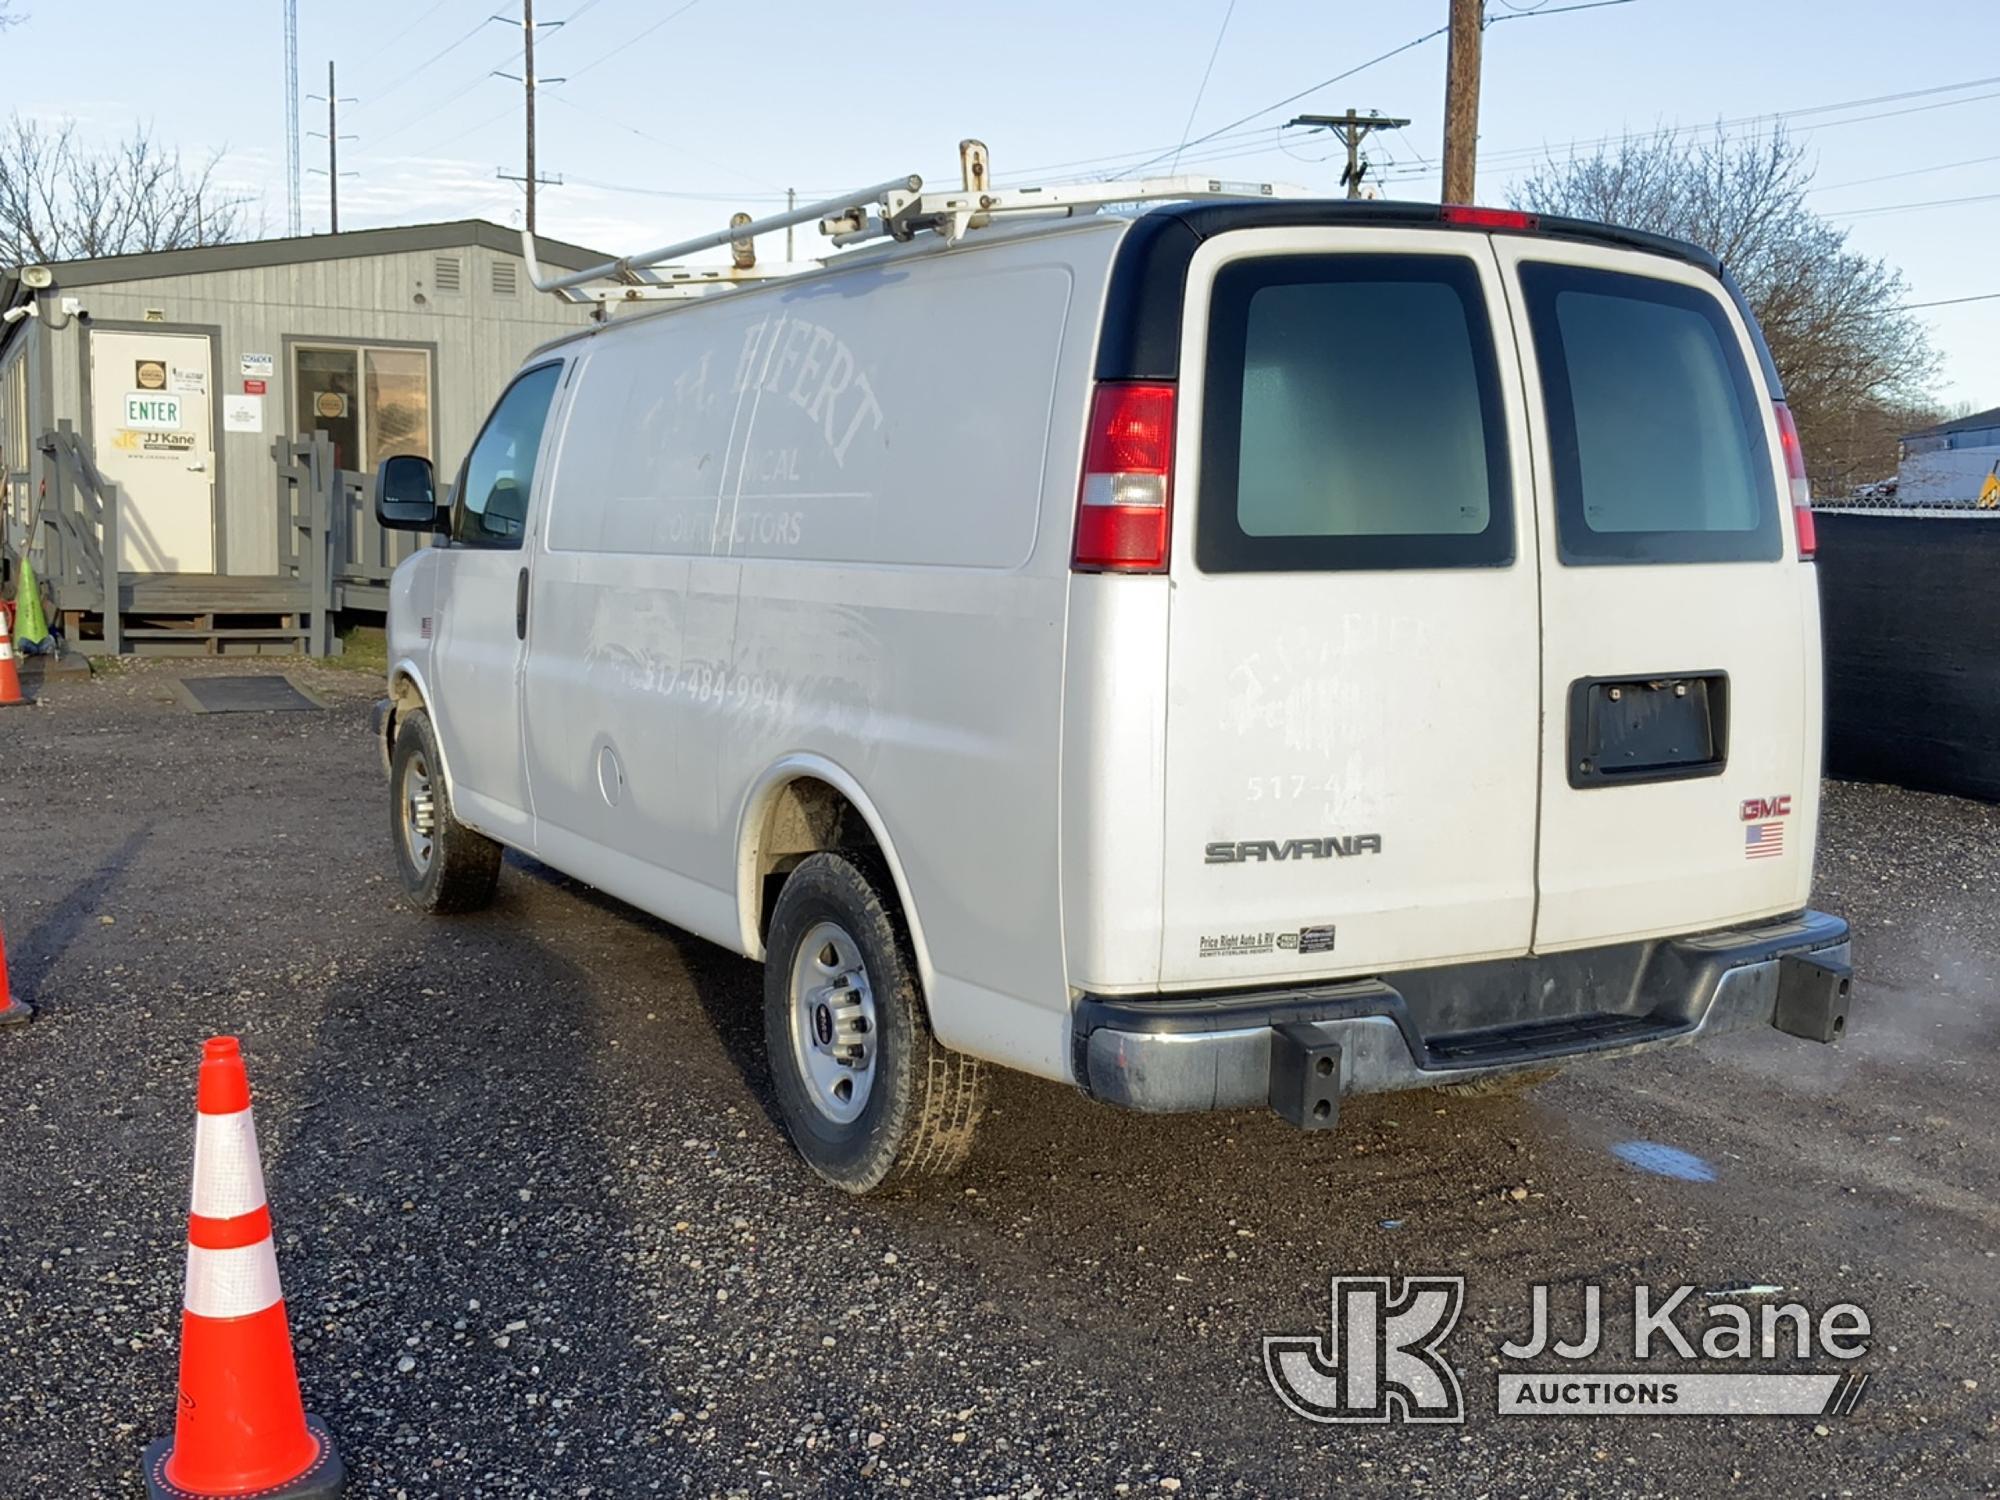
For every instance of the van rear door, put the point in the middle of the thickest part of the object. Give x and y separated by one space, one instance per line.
1680 635
1354 672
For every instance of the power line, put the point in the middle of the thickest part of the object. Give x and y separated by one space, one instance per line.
1195 108
631 41
1943 166
646 135
1897 208
1783 114
450 99
388 46
1951 301
437 56
647 192
1546 10
1294 98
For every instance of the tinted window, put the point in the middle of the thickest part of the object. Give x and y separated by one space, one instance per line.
1656 431
1352 418
490 508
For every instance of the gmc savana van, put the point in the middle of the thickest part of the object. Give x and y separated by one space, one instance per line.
1219 651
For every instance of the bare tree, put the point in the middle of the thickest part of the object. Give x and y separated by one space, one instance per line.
63 199
1855 364
7 16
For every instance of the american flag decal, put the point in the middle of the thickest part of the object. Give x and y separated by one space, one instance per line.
1763 840
424 628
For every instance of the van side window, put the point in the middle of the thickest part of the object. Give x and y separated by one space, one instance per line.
1656 430
490 506
1352 418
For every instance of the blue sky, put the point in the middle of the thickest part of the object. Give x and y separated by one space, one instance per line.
738 102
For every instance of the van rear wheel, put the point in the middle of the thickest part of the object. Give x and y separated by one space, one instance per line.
866 1092
446 867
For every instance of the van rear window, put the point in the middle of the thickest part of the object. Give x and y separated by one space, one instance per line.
1656 430
1352 418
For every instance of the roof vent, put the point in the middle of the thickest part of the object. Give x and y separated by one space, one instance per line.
446 274
506 278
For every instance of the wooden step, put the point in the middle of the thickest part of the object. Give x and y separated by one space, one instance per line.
209 594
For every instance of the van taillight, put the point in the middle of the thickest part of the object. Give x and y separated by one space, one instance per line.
1795 474
1122 512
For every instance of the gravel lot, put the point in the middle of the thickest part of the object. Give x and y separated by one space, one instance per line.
540 1235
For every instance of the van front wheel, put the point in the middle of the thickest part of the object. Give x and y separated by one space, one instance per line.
446 867
866 1092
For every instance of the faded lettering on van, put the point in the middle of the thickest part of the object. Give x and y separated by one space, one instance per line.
825 381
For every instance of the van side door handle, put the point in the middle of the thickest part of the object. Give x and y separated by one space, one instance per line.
521 606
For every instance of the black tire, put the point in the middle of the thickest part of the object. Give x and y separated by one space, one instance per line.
1498 1084
922 1102
463 866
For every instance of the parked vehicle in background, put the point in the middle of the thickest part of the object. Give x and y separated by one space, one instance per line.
1225 653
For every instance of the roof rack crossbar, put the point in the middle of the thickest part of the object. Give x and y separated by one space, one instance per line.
952 212
631 269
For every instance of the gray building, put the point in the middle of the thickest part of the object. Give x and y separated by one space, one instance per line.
1953 463
158 408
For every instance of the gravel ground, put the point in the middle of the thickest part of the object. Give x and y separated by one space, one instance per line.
540 1235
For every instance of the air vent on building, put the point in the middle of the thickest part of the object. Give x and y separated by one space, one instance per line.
505 276
447 273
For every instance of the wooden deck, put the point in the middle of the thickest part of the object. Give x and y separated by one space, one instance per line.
211 614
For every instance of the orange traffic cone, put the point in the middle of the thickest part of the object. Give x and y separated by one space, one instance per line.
241 1428
12 1011
10 675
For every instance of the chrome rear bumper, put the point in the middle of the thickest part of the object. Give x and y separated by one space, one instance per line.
1451 1025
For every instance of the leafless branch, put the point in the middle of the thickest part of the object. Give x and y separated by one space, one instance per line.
63 199
1856 368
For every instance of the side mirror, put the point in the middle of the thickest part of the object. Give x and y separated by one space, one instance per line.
406 494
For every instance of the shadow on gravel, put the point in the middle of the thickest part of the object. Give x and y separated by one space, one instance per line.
447 1190
38 949
729 988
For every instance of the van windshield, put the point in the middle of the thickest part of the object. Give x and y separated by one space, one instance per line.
1656 429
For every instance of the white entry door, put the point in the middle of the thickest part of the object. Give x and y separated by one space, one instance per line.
153 429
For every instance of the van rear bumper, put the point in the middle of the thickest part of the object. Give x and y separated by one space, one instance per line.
1299 1050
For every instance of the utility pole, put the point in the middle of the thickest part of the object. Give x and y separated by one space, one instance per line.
791 202
530 179
1461 100
333 140
1352 129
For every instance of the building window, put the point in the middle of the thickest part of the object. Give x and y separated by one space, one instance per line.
372 403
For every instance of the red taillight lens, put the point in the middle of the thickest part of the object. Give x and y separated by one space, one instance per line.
1485 218
1121 507
1795 476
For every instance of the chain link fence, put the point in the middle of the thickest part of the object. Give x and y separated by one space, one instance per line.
1957 481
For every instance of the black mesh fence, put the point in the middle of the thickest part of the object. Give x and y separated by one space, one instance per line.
1910 604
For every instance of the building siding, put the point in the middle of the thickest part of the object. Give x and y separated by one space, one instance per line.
479 339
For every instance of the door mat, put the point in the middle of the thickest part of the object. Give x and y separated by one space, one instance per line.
244 695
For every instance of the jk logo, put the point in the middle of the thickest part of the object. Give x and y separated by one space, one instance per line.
1378 1360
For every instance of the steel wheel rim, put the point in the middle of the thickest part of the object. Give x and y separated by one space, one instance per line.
835 1040
418 814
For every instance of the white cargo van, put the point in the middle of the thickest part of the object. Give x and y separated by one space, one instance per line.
1225 652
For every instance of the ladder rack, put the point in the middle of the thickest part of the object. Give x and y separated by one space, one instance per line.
898 209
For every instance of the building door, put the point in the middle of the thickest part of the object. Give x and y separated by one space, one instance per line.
153 429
